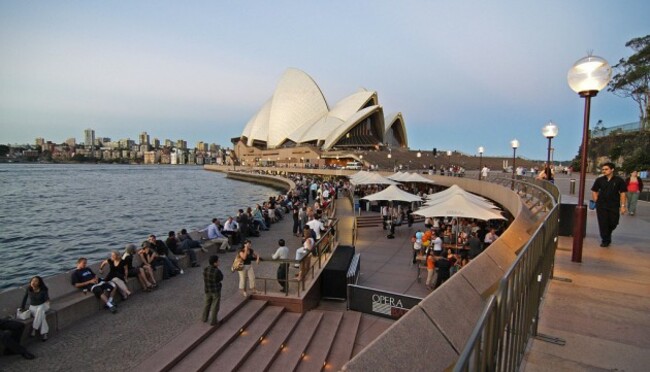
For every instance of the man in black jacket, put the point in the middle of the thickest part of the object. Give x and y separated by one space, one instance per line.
609 193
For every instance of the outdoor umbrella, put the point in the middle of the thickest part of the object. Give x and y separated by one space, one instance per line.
459 206
414 177
393 193
373 179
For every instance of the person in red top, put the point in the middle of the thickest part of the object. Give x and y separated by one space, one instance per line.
634 188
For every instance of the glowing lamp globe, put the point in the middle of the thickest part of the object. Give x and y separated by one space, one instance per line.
550 130
589 74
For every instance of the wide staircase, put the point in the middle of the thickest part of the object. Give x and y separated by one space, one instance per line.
255 336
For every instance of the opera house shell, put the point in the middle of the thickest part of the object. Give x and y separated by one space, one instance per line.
297 115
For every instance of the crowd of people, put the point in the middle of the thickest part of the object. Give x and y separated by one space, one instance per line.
448 245
306 203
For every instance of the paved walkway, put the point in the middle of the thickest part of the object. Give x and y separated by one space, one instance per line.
603 314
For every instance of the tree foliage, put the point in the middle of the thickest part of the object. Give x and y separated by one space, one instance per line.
632 78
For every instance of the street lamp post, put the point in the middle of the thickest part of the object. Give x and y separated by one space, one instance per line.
389 156
549 131
449 161
587 77
514 143
480 161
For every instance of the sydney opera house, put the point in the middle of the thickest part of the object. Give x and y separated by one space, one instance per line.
297 123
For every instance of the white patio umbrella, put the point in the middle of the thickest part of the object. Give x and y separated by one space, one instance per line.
398 176
415 177
359 175
438 197
393 193
459 206
373 179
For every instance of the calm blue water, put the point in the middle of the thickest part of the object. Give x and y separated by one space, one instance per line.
51 214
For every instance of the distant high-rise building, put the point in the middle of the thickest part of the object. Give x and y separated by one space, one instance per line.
71 142
40 141
89 137
144 138
180 144
214 148
156 143
169 143
89 141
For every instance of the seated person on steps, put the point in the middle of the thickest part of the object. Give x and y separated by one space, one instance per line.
214 234
176 247
85 279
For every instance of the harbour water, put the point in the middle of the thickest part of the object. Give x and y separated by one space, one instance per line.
51 214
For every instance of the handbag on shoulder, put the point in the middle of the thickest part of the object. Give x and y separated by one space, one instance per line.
238 264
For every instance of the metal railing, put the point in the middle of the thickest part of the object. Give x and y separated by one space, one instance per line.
510 317
307 266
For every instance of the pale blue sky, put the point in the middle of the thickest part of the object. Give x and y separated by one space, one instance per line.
463 73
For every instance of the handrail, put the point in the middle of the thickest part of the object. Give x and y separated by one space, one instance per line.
511 314
321 251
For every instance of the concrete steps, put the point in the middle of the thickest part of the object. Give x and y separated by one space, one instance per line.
170 354
343 344
295 347
369 221
237 352
272 344
374 220
255 336
316 354
210 348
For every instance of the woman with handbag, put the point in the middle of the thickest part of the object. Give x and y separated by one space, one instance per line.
247 254
39 304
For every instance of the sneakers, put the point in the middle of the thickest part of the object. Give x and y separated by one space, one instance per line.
112 309
604 245
204 250
44 337
182 272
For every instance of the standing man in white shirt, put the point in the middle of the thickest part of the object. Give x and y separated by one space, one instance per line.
316 225
282 253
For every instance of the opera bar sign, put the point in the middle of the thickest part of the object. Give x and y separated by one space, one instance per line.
381 303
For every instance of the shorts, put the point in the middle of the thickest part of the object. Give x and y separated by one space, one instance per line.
101 287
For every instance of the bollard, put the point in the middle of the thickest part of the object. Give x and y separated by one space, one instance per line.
572 186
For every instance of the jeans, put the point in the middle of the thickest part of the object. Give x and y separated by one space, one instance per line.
211 307
632 199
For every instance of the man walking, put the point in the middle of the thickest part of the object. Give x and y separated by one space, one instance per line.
282 253
608 192
212 277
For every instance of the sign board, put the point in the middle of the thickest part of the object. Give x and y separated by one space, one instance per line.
381 303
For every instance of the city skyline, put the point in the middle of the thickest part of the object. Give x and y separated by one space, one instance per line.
464 74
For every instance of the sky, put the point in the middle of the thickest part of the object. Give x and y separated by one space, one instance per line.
464 74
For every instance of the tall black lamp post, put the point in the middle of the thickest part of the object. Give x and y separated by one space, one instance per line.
514 144
549 131
587 77
480 161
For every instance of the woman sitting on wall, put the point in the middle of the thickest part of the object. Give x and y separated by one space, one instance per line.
117 273
39 304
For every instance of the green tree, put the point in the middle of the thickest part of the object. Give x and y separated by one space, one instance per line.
632 78
4 150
